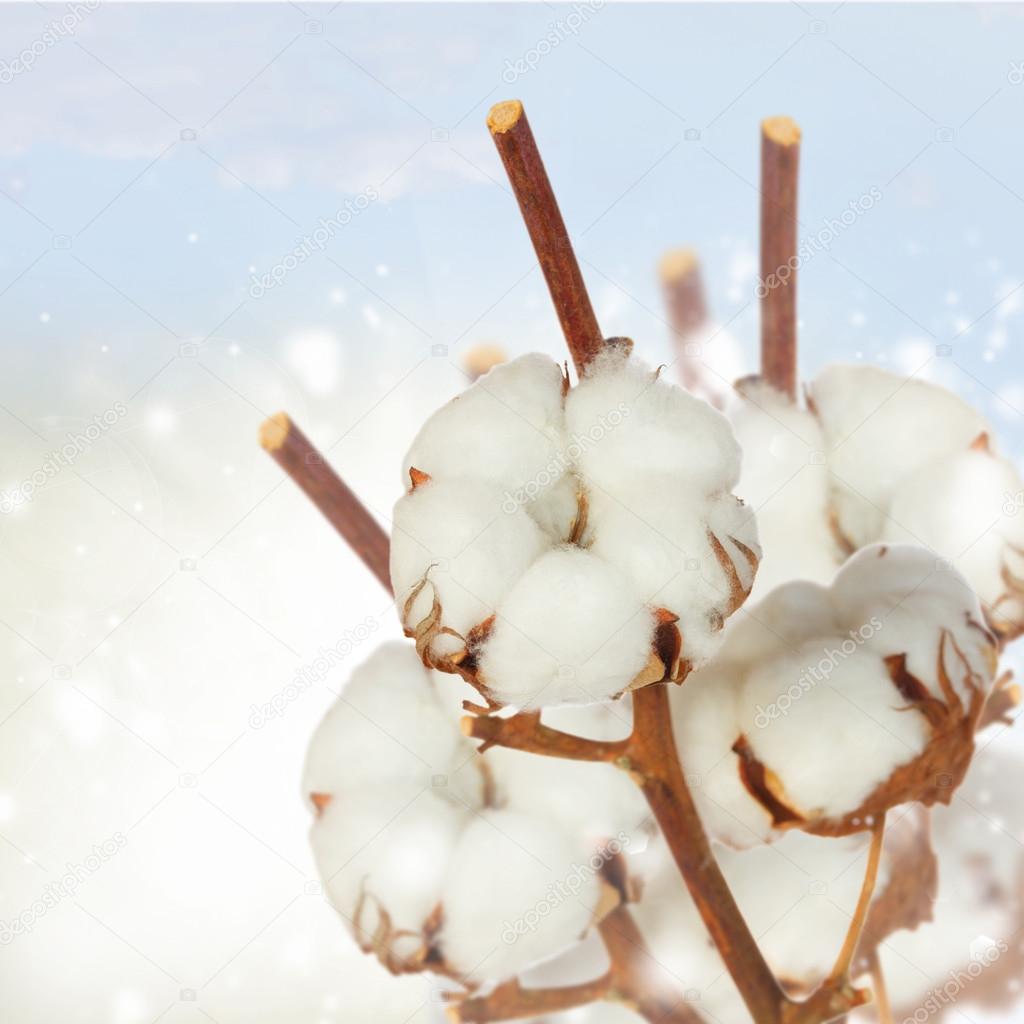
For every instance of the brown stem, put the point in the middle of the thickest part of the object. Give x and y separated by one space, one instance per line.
295 454
518 150
633 971
841 970
780 161
656 760
510 1001
525 732
628 980
683 288
880 990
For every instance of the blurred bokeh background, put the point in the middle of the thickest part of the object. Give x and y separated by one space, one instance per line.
157 163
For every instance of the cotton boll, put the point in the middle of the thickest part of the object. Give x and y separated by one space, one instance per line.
966 508
625 421
384 866
785 482
826 706
570 631
389 724
508 429
517 892
471 550
880 428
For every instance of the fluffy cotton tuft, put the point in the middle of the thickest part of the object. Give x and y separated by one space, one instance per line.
455 536
388 724
517 893
785 482
869 696
631 423
880 428
571 631
507 429
968 506
545 611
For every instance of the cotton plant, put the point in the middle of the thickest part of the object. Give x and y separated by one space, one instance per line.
572 569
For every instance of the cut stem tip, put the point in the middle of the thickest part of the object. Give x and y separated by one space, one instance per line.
504 116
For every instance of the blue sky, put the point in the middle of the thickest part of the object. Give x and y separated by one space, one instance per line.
297 108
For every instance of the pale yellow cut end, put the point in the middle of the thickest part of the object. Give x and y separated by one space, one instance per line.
274 431
677 264
481 358
453 1015
504 116
782 130
466 725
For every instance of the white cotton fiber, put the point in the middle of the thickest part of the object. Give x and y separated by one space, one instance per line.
626 421
517 892
840 733
706 725
967 508
880 428
598 802
784 481
397 857
570 631
508 429
387 723
471 549
908 593
658 537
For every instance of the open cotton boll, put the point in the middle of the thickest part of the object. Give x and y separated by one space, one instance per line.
868 702
880 428
455 534
665 547
506 428
784 481
517 892
571 631
625 421
967 508
387 724
384 869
